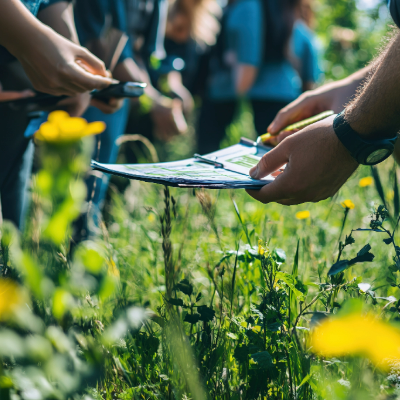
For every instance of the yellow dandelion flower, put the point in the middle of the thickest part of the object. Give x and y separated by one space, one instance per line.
347 204
303 214
61 128
356 334
11 297
367 181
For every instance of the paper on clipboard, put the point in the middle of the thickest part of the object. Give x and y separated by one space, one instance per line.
223 169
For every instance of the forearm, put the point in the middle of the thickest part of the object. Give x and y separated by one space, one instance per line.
245 75
17 26
60 17
374 113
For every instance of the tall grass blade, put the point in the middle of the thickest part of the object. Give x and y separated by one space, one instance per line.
378 184
241 222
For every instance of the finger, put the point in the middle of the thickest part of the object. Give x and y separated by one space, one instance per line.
6 96
91 63
87 80
294 112
275 191
270 162
285 134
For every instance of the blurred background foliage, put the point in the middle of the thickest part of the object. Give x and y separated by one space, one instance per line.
350 33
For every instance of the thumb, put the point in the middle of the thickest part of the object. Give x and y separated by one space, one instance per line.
270 162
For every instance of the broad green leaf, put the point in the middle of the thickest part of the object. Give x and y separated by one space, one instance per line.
291 282
206 313
192 318
263 360
184 286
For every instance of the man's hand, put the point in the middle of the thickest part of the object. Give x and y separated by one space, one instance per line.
168 119
333 96
317 166
112 106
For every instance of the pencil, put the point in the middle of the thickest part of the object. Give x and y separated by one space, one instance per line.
298 125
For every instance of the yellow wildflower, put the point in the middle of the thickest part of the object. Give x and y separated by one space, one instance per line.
356 334
61 128
347 204
303 214
113 269
11 297
367 181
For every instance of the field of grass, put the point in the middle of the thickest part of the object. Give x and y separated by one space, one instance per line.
193 294
200 294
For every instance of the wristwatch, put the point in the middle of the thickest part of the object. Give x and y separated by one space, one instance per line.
366 152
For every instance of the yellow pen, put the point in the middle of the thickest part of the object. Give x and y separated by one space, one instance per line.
297 125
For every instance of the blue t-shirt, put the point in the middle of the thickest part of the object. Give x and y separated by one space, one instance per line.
276 80
305 51
34 6
93 17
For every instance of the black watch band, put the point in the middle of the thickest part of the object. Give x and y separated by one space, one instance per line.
367 152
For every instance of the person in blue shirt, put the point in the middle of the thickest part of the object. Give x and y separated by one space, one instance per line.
108 27
35 55
264 57
320 158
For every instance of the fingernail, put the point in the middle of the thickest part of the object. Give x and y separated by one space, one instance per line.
254 172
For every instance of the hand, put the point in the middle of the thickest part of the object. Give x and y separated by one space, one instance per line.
59 67
317 166
112 106
332 96
75 106
168 119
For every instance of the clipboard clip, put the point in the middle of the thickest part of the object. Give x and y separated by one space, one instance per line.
208 161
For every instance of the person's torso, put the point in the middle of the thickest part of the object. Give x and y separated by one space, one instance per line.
276 80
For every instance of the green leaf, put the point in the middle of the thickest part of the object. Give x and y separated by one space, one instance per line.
280 255
184 286
206 313
274 326
263 360
291 282
378 184
192 318
295 270
388 241
232 336
364 250
175 302
198 297
339 267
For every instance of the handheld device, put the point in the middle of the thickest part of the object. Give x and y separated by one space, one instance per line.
42 100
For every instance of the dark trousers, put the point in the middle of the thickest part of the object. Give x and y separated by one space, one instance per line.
216 116
16 152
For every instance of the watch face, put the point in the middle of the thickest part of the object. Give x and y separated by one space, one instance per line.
377 156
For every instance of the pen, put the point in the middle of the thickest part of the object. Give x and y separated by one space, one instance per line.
297 125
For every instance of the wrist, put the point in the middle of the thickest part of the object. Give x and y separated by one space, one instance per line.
364 151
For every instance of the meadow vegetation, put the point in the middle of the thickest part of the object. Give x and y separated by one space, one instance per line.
192 294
